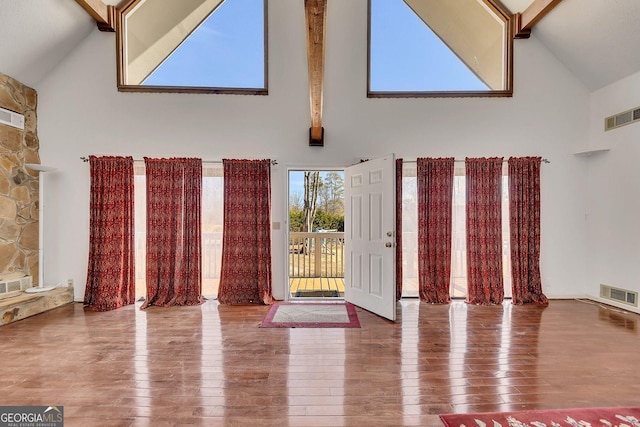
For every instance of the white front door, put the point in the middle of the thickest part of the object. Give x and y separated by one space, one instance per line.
370 236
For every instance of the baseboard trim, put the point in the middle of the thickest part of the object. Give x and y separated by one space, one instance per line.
614 304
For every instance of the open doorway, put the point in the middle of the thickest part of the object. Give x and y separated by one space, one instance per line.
316 234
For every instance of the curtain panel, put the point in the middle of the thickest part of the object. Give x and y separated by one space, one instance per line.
524 222
398 229
435 201
111 271
484 230
174 232
246 239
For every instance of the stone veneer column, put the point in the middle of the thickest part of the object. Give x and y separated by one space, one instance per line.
18 185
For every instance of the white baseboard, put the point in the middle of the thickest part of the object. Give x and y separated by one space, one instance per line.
623 307
568 296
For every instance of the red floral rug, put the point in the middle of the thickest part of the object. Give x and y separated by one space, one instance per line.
311 315
594 417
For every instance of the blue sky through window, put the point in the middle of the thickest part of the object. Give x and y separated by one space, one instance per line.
227 51
296 180
407 56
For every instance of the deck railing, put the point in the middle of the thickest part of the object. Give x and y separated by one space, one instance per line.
318 254
211 262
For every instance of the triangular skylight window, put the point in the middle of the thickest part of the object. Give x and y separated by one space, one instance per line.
227 50
420 47
216 45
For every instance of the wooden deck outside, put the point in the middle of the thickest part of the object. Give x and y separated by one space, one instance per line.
316 264
316 286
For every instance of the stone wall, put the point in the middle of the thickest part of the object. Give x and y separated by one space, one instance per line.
18 185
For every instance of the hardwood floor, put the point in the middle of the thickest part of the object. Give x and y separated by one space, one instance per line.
212 365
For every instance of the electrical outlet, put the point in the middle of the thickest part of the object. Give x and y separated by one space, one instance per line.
70 283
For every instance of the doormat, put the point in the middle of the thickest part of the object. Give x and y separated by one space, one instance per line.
311 315
612 417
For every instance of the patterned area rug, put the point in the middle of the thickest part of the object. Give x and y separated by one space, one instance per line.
609 417
311 315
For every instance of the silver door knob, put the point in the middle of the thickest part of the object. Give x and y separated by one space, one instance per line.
388 244
389 233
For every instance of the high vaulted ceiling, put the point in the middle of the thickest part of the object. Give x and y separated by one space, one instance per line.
595 39
35 35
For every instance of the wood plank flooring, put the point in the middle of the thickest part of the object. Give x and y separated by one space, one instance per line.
211 365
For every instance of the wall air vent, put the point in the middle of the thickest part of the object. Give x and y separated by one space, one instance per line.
13 285
10 118
620 295
621 119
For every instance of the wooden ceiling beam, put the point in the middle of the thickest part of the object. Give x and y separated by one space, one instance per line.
105 15
316 20
537 10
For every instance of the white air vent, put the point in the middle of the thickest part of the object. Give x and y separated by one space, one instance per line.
12 285
8 117
621 119
619 295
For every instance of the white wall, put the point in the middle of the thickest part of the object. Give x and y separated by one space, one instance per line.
614 191
81 113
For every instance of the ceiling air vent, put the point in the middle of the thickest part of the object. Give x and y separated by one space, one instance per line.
621 119
8 117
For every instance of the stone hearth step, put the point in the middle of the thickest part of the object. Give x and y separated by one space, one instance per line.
20 305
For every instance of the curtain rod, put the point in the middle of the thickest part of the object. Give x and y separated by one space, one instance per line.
86 159
462 161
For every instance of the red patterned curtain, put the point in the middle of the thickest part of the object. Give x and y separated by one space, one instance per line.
435 199
246 237
174 234
398 229
524 221
111 271
484 230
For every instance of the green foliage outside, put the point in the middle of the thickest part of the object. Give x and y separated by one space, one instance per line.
324 201
322 220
